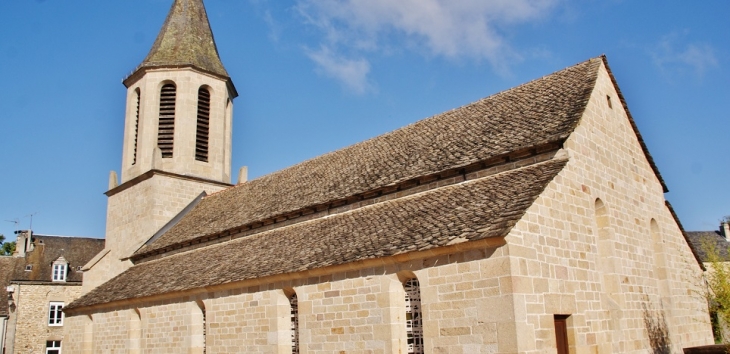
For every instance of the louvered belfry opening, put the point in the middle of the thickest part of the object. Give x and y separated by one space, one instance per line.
166 127
136 127
201 133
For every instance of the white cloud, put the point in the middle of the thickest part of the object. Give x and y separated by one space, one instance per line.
699 57
351 72
452 29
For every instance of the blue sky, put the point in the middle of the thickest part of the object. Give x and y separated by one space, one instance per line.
315 76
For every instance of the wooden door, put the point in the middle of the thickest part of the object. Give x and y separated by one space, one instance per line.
561 333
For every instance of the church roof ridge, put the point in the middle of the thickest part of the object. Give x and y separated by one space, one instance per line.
185 40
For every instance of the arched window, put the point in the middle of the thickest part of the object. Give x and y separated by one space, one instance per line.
414 319
136 126
201 133
294 323
166 126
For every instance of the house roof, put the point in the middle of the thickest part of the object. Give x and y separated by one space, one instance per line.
185 40
704 241
75 250
542 111
7 267
468 211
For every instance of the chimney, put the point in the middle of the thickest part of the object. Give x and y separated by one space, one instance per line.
725 229
23 243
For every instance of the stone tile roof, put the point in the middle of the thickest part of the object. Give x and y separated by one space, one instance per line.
468 211
714 238
76 250
186 40
541 111
7 268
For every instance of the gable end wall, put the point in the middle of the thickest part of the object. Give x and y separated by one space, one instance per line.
613 290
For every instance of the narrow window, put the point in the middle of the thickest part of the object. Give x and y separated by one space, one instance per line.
59 271
414 320
28 268
294 324
53 347
201 133
136 128
166 126
55 314
608 98
561 333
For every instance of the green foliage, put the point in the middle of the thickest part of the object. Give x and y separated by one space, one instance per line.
7 249
718 292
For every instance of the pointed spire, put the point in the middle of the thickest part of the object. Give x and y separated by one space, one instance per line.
185 40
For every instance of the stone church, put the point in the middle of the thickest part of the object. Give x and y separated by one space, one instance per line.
530 221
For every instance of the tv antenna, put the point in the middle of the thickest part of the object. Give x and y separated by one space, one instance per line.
30 227
15 221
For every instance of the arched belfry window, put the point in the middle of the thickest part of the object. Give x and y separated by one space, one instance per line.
136 126
414 318
166 125
201 133
293 303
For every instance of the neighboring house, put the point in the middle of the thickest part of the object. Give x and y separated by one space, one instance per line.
531 221
42 276
704 241
7 265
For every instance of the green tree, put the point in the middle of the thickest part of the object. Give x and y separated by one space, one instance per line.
717 278
7 249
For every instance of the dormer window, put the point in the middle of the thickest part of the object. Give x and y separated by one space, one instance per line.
60 268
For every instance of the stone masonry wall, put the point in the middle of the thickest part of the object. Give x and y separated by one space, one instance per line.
135 214
610 277
33 301
465 297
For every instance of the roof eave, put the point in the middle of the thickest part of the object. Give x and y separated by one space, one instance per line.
143 69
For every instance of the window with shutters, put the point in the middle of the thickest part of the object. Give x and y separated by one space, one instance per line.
414 320
136 127
55 314
201 133
294 324
166 125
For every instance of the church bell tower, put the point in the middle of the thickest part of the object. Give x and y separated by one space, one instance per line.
177 137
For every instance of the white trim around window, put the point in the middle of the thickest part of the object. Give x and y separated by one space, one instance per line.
59 271
55 314
53 347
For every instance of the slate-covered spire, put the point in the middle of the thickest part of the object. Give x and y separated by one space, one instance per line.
185 40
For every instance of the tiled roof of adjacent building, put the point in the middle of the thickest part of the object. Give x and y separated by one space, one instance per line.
468 211
186 40
541 111
7 267
75 250
701 240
